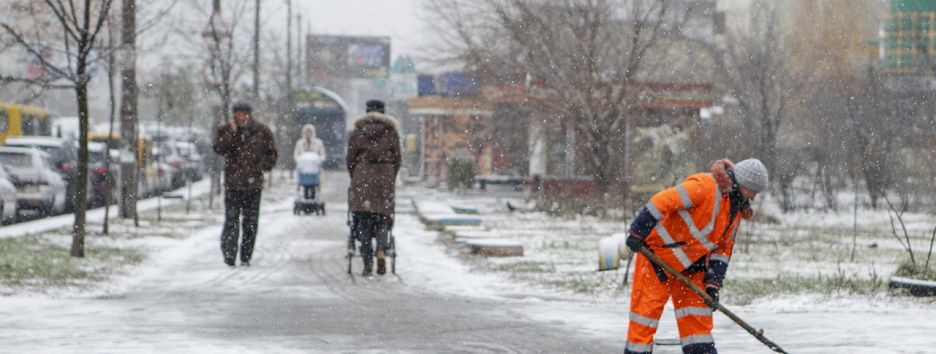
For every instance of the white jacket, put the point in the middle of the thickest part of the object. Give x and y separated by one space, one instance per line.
312 145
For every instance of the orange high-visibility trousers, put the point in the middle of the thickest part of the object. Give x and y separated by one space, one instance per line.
649 295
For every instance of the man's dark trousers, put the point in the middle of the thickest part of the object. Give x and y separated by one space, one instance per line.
239 202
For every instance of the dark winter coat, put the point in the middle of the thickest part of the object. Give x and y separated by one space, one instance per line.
373 162
248 151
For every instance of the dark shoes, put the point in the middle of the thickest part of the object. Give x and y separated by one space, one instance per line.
381 262
367 271
245 264
229 263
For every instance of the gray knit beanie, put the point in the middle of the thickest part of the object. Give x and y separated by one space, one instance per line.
752 173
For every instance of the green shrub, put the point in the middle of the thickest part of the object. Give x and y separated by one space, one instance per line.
461 174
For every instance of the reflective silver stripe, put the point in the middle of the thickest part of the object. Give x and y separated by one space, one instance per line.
694 311
700 235
639 348
696 234
720 257
687 203
667 239
654 211
696 339
645 321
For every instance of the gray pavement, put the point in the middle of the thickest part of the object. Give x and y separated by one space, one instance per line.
295 297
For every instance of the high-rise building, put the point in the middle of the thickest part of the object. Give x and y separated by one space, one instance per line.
910 37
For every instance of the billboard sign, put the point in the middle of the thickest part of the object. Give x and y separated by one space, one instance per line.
345 57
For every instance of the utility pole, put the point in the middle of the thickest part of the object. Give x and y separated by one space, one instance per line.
289 34
128 111
299 54
256 63
220 68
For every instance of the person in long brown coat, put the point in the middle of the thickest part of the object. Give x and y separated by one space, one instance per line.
248 149
373 161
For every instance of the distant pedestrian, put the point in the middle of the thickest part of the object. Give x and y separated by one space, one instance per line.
249 150
373 162
309 142
692 228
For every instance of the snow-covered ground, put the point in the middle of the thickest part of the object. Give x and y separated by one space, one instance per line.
796 280
166 301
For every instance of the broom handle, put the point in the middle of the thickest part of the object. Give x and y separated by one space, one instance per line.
708 299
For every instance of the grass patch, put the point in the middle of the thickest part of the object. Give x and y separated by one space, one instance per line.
35 263
908 270
743 291
526 267
579 283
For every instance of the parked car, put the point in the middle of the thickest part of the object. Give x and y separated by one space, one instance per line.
194 164
8 208
102 179
63 155
38 186
165 152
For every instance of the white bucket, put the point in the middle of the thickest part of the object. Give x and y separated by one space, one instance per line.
623 251
608 258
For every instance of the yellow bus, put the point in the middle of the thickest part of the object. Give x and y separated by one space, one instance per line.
20 120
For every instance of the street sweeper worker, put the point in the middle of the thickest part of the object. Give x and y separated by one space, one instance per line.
692 228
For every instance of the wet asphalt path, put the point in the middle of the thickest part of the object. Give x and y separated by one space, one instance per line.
295 297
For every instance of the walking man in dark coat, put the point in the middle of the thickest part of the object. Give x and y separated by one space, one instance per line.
248 149
373 162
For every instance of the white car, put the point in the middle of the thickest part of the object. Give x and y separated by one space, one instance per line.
193 161
38 186
7 198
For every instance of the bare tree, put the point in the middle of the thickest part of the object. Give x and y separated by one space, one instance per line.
580 61
226 63
175 94
80 23
758 74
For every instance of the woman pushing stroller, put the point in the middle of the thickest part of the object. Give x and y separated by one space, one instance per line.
373 161
309 154
309 142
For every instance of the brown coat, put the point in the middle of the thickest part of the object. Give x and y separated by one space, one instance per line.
373 162
247 151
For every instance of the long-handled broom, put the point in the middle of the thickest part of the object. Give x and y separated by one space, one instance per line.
759 334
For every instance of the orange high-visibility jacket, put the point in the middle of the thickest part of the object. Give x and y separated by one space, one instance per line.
692 222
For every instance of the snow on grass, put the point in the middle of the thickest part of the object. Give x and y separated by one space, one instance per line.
796 280
805 254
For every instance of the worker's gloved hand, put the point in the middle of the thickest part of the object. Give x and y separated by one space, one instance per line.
712 291
634 242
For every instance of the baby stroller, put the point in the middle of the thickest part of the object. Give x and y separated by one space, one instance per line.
352 249
307 200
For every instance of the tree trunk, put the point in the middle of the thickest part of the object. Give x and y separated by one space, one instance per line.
81 181
112 100
128 112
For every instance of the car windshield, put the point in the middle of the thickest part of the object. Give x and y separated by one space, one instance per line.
96 155
15 159
183 150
